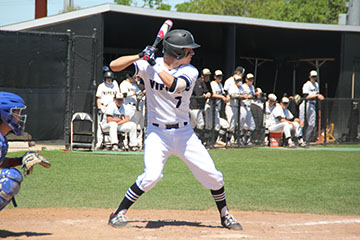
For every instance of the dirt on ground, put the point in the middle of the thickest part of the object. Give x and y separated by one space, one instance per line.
66 223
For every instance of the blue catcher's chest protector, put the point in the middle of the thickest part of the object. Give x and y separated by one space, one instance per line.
4 146
10 180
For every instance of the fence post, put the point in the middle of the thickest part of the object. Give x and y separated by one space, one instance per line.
68 98
213 104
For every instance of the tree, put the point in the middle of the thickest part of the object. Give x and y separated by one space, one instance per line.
310 11
157 4
124 2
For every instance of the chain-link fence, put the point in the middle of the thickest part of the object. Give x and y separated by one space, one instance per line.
333 120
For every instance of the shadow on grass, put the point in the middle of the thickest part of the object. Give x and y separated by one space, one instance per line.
165 223
5 234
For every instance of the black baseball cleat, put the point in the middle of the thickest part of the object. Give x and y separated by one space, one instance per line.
231 223
118 220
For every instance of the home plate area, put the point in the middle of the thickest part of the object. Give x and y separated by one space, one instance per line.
84 223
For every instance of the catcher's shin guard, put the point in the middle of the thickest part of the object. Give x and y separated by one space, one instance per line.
10 180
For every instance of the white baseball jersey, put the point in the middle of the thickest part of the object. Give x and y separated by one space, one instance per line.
310 88
233 90
114 111
246 89
268 111
130 89
107 94
279 112
164 106
217 88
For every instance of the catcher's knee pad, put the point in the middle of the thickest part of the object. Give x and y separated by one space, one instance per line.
10 180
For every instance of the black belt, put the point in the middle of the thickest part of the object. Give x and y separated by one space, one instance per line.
170 126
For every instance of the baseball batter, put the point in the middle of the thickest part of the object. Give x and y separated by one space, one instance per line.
311 93
169 83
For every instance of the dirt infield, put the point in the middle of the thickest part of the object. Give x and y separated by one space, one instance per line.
172 224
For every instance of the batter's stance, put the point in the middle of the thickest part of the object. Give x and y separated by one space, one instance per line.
169 84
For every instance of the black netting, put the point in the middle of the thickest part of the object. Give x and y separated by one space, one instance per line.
34 65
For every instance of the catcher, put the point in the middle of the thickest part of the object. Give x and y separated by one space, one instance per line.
12 120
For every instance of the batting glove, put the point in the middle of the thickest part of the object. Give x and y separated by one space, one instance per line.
148 54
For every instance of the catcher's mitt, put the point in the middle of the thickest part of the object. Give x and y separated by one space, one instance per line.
32 158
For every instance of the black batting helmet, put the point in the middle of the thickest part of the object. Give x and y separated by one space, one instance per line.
176 41
109 75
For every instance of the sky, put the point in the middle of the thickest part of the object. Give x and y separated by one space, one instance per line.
15 11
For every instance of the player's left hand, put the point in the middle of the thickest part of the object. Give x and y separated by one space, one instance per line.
30 159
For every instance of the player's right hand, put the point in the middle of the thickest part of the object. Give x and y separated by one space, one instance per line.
148 54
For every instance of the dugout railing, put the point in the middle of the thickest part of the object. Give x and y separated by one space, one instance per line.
337 121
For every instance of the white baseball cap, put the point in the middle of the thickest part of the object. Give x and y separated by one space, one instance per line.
249 75
206 71
313 73
272 97
297 98
285 100
119 96
237 78
218 73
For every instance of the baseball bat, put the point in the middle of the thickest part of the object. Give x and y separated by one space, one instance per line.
165 27
162 32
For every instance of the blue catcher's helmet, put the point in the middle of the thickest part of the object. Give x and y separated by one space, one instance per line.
11 106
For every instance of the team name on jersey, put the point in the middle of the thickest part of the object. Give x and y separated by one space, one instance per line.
158 86
108 92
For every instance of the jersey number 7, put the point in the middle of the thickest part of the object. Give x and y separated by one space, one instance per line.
179 101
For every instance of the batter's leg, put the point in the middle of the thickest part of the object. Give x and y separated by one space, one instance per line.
155 156
198 160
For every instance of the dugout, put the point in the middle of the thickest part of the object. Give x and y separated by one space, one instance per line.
281 53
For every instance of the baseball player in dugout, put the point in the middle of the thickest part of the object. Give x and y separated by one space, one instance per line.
12 120
282 120
247 93
132 102
232 90
169 81
311 94
105 93
213 108
116 119
201 92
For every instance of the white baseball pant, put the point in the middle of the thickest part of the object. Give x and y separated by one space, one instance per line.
247 118
310 117
231 113
113 128
209 117
197 118
161 143
287 128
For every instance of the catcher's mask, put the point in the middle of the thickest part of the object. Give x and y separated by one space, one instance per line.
11 106
176 41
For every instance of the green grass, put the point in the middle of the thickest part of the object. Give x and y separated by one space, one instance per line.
263 179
